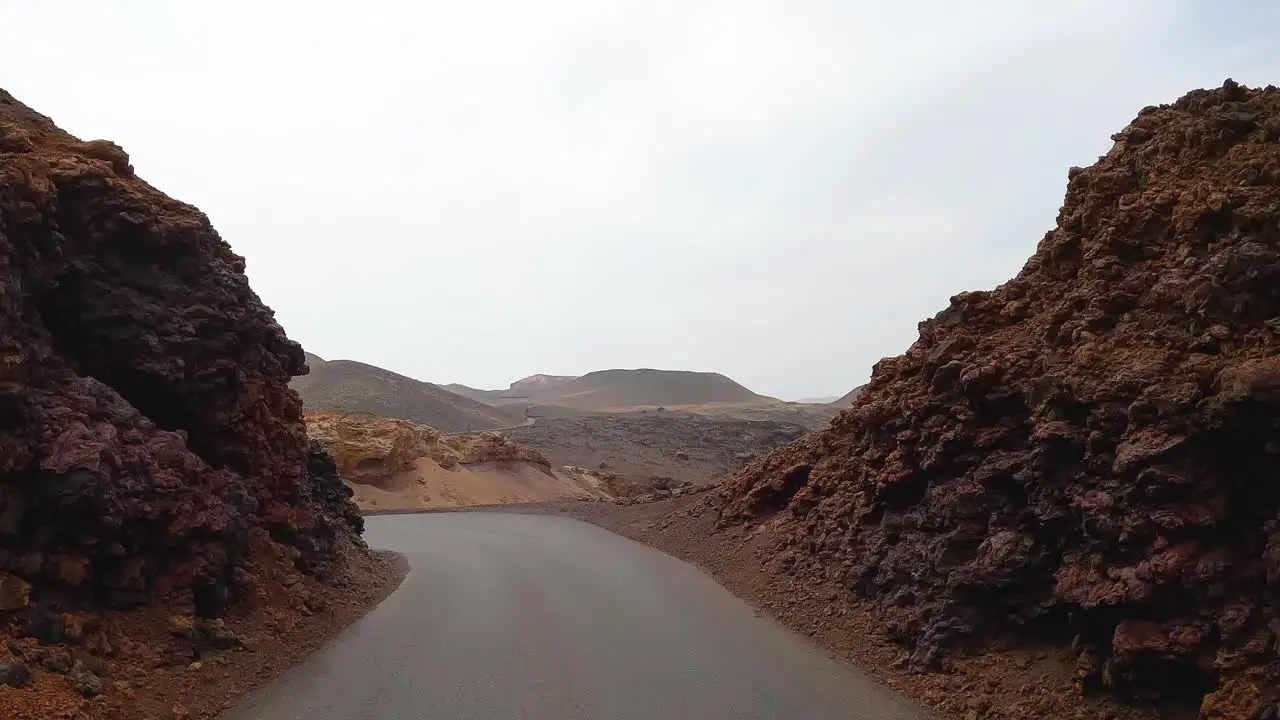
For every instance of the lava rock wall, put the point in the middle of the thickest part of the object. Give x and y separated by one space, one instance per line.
146 422
1091 450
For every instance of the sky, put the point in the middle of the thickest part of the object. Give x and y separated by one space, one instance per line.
478 191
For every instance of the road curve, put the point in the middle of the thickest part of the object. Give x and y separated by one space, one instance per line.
539 617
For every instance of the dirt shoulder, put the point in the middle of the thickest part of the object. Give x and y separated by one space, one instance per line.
160 662
1006 684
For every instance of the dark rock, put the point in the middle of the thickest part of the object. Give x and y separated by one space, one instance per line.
15 593
1090 449
84 681
14 674
53 660
146 422
43 625
16 648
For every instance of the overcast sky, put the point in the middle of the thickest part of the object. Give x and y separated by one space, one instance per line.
477 191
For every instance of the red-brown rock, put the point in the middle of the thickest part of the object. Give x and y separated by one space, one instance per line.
146 424
1091 450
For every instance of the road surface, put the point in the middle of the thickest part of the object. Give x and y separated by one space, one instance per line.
539 617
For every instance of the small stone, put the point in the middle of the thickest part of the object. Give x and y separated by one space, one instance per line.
178 712
195 665
53 661
216 634
14 674
72 627
15 593
181 626
42 625
90 663
16 648
125 689
83 681
99 643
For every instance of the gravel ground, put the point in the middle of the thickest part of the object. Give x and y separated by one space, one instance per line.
159 662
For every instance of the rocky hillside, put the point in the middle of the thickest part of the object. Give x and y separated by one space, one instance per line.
1087 454
395 464
523 389
613 390
151 452
621 389
356 387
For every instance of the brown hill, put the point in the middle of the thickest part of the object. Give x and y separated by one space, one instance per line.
1086 455
539 384
523 389
356 387
620 389
824 400
467 391
847 399
153 462
393 464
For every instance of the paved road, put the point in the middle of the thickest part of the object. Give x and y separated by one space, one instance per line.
527 422
539 617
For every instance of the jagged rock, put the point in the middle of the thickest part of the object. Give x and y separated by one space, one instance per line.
1091 449
84 681
147 423
53 660
14 674
43 625
15 593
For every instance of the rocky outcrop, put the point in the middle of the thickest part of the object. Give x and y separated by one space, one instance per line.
394 464
146 423
372 450
1090 451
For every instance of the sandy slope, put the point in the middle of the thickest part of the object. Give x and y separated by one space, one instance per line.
428 485
393 464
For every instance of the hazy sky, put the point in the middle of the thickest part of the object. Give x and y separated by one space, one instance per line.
477 191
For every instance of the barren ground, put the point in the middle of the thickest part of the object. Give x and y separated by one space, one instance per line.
490 483
150 667
685 446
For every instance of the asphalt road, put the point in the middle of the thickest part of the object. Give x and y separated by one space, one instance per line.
540 617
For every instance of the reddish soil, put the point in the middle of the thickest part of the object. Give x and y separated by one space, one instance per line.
160 663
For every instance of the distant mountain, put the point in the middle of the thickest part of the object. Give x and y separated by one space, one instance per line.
819 400
356 387
618 389
537 384
467 391
521 389
847 399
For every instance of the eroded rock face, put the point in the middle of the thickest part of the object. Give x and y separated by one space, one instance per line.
1091 449
372 450
146 424
367 449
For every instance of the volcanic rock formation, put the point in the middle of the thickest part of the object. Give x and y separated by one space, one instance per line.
146 422
1091 450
